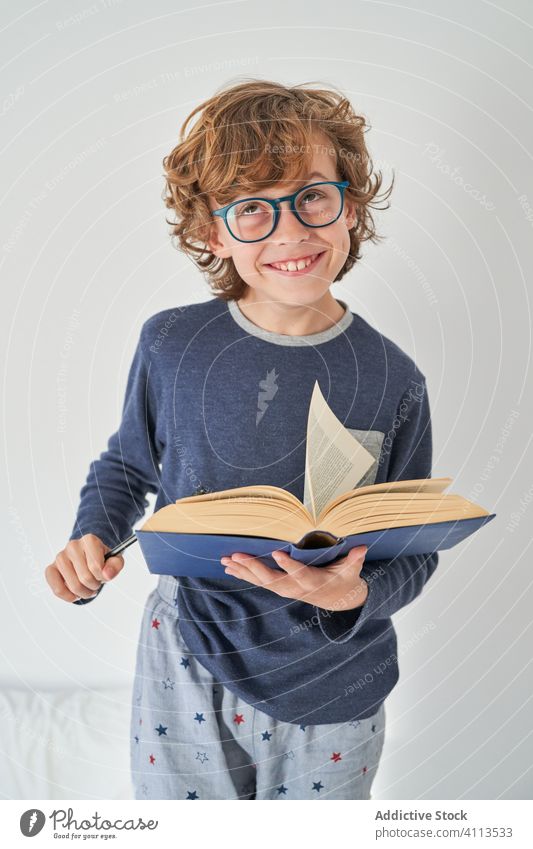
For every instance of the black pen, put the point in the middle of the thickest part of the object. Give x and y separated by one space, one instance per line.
118 549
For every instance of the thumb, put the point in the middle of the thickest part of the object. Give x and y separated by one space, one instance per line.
354 556
112 567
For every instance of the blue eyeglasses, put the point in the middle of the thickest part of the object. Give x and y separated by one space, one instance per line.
253 219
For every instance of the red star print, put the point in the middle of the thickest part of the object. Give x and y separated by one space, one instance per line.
365 769
156 623
152 759
238 718
336 756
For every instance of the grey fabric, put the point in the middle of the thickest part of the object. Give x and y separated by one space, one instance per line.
286 339
192 738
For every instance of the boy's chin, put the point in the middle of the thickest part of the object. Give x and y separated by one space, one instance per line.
291 293
315 284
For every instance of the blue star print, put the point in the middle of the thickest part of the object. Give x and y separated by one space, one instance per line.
202 757
317 785
168 684
282 789
199 718
162 729
185 662
266 735
192 794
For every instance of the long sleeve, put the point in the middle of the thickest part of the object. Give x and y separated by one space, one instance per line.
113 497
392 584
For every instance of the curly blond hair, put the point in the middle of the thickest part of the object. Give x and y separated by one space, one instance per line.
252 135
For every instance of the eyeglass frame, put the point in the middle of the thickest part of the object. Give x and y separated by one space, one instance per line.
275 202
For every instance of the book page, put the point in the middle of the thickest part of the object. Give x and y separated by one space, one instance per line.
334 460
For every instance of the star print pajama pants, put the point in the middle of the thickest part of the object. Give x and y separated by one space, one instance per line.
193 738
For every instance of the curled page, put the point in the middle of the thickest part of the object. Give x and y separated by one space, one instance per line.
335 461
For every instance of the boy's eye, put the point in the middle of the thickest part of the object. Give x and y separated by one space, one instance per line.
252 207
308 196
249 209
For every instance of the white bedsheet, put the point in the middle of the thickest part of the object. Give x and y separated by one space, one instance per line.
65 744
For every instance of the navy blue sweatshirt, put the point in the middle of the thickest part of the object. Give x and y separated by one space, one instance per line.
212 402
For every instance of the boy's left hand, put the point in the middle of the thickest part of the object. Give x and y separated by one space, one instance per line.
334 587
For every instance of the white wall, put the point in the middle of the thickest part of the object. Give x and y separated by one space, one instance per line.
85 258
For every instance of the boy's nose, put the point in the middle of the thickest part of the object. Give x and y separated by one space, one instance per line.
289 229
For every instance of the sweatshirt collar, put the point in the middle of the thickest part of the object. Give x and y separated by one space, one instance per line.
286 339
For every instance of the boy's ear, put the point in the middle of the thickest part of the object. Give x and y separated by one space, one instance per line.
351 213
214 244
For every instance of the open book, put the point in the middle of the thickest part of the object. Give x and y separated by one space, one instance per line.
408 516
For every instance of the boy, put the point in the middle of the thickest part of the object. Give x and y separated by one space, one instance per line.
263 685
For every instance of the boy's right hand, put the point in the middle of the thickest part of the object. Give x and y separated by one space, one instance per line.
79 569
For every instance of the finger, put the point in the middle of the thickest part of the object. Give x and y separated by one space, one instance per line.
70 576
354 558
359 550
77 555
242 565
57 584
262 575
308 579
293 567
113 566
93 551
244 574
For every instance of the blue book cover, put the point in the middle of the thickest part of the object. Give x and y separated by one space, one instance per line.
198 555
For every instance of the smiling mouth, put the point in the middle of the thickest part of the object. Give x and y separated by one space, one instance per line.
296 265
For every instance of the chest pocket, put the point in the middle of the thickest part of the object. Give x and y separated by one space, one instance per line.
372 440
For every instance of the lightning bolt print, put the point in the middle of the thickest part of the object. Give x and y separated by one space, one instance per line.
268 389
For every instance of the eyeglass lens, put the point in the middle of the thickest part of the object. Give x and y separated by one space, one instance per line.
254 219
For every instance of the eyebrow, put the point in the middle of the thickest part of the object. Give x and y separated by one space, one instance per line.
302 180
317 174
310 177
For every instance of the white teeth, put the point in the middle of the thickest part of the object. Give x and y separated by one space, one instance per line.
294 265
